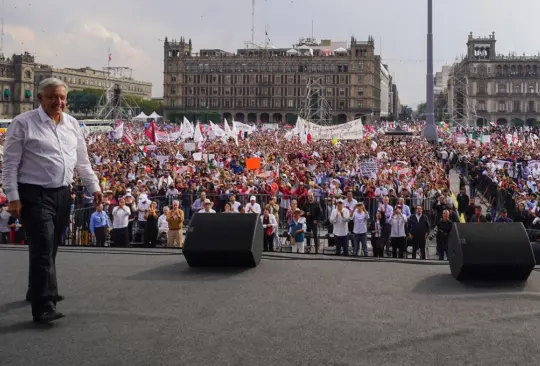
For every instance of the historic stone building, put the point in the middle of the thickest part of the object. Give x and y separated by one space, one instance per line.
17 82
88 78
270 84
488 87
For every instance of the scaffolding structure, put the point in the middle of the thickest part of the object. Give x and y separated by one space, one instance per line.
315 107
460 108
112 104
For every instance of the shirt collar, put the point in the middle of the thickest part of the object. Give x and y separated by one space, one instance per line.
44 117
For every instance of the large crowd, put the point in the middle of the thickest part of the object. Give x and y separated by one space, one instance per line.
393 190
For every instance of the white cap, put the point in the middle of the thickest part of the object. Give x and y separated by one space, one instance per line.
252 198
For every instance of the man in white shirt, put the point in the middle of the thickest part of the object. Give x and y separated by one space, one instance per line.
253 206
41 151
340 218
207 207
235 205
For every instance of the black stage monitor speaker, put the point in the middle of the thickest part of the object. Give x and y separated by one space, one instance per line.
485 251
224 240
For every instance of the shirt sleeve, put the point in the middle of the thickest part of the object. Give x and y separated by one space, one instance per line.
13 151
84 167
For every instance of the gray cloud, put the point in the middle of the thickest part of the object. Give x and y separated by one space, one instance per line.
79 33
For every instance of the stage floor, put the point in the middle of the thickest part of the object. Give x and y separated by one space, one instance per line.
137 307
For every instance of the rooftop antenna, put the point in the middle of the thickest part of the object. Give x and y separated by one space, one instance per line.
253 21
2 31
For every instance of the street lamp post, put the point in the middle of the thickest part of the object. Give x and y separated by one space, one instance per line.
430 131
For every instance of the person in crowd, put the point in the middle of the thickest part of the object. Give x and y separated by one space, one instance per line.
235 205
253 206
503 216
270 225
151 228
444 226
175 221
120 215
478 217
227 208
462 201
130 202
143 205
4 221
312 211
360 218
388 212
207 207
377 228
297 229
199 203
99 225
41 151
405 209
340 219
350 203
522 215
398 233
163 225
419 226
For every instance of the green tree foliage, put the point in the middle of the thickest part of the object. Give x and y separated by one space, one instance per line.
146 106
84 101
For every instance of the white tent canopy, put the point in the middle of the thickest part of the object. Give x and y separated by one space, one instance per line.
141 116
154 115
340 50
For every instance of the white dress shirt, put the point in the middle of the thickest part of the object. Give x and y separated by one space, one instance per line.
360 222
120 217
38 151
209 211
340 222
162 223
255 208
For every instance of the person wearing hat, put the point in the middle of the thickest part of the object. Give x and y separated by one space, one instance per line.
339 218
297 229
503 216
207 207
253 206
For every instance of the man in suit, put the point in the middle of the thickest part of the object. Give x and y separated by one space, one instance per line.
478 217
418 232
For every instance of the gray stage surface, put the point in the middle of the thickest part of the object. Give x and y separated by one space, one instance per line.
137 307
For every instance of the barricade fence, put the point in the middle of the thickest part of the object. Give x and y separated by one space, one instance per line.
78 232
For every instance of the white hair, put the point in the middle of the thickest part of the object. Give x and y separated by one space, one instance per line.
50 82
176 201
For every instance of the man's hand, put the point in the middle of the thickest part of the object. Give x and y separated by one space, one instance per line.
14 208
98 198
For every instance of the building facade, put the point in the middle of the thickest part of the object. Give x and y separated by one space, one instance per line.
17 82
270 84
486 87
88 78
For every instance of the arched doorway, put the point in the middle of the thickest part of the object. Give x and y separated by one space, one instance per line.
530 122
265 118
240 117
518 122
252 117
502 122
227 116
277 118
291 118
480 122
341 118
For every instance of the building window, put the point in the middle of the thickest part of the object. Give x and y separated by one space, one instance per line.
342 104
361 104
290 103
173 78
265 103
215 102
516 106
239 103
501 88
202 102
227 103
481 105
189 102
252 103
502 106
341 92
215 91
516 89
6 108
173 91
329 92
360 92
531 106
227 91
277 103
482 89
290 79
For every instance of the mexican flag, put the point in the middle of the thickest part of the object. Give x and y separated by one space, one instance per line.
142 151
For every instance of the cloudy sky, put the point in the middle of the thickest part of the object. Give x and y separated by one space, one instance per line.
79 33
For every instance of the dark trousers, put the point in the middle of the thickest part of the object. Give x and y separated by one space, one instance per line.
150 237
378 246
312 228
101 234
4 238
120 237
268 243
46 211
442 247
130 231
419 243
398 247
341 243
360 239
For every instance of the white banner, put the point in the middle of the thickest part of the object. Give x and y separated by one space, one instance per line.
353 130
368 169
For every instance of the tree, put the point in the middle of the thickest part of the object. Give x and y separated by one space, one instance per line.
146 106
421 109
82 102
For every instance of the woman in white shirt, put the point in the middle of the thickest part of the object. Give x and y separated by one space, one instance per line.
360 219
163 225
339 218
120 216
269 228
398 233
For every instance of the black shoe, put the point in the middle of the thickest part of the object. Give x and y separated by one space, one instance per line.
48 317
57 298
